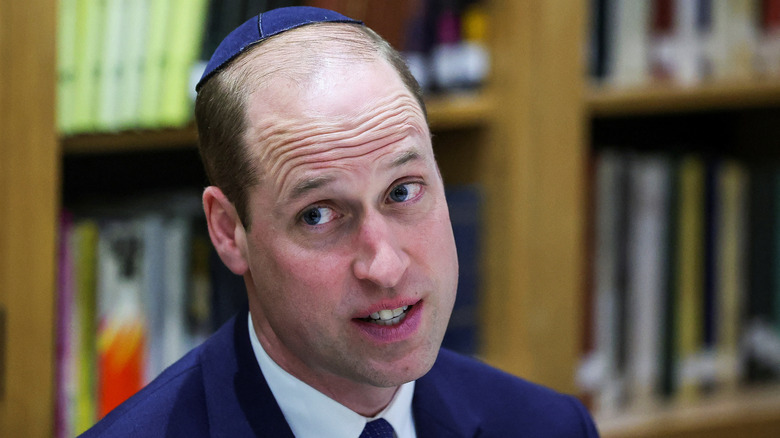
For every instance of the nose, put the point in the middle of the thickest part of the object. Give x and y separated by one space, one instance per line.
380 257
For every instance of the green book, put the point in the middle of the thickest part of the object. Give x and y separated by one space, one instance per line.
134 53
89 38
84 247
155 63
111 65
183 50
66 64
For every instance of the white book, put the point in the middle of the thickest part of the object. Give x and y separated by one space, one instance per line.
630 42
649 196
610 167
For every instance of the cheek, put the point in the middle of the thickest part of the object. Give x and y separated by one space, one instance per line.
311 281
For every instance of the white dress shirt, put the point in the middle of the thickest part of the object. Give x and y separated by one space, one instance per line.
312 414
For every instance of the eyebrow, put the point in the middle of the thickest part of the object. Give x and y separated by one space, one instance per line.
309 184
405 157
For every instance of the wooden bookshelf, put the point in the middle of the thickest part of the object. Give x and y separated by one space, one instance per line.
605 101
747 413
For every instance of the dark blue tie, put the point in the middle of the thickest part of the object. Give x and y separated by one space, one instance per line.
378 429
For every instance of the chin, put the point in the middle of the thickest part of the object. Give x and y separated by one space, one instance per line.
403 371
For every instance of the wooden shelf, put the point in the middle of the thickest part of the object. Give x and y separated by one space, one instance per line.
606 101
753 413
462 110
130 140
459 110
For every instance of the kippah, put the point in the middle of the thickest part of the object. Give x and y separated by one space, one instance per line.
264 26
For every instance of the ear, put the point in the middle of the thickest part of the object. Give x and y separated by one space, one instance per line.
226 230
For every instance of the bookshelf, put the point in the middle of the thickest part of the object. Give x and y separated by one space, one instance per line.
716 118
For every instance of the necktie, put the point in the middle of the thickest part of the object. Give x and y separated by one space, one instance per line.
378 429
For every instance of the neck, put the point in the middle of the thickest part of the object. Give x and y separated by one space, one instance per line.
363 398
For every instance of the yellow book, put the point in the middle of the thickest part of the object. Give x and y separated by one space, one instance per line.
730 269
690 279
85 244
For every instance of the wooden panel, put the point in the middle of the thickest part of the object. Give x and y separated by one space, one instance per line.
535 180
28 181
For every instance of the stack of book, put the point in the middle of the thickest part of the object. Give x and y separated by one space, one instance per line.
139 286
125 64
686 301
635 42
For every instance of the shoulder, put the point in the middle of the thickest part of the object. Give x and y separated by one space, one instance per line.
502 402
171 404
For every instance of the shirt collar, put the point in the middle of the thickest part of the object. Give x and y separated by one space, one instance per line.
311 413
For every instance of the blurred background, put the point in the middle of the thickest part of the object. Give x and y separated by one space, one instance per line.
612 171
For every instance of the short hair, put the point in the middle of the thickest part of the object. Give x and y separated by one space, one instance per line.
221 103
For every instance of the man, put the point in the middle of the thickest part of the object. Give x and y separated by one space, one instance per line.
328 201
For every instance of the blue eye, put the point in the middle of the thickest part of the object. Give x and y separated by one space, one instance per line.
318 215
405 192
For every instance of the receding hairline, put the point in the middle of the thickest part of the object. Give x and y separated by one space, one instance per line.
285 54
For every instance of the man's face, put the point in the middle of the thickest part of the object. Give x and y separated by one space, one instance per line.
349 224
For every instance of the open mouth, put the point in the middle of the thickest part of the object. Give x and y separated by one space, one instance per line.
388 316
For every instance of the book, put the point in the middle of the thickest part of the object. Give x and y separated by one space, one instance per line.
611 173
121 331
731 269
66 64
648 205
689 285
132 63
112 68
64 376
84 248
89 38
762 253
155 63
629 22
183 48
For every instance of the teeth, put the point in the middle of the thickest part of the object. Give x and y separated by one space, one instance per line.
388 317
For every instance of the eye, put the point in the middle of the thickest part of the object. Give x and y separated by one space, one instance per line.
318 215
405 192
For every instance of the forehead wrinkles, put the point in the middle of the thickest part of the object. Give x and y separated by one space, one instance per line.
291 143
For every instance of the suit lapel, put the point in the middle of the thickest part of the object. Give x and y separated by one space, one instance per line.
437 412
238 398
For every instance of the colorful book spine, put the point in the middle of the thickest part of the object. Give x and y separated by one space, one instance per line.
690 280
85 249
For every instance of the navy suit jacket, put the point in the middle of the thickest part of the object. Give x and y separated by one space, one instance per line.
218 390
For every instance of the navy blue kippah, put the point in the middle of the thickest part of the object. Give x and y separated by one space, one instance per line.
263 26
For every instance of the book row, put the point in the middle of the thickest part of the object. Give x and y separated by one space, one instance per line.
634 42
133 64
685 297
125 64
139 285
